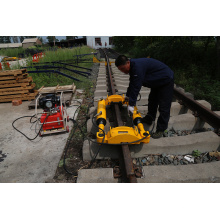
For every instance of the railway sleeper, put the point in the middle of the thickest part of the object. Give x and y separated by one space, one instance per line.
192 173
180 145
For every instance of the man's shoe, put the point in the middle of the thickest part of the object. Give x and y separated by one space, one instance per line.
157 134
147 119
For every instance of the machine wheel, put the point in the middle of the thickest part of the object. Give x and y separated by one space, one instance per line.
67 118
67 128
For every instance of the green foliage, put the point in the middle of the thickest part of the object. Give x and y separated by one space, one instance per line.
12 52
196 153
123 44
51 39
62 162
53 79
193 59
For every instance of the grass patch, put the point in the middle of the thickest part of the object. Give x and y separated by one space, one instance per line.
12 52
63 55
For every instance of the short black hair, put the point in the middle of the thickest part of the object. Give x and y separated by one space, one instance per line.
121 60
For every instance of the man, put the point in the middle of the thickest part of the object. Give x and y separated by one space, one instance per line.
156 75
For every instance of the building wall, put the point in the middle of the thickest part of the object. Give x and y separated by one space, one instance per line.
93 43
30 44
10 45
38 42
26 45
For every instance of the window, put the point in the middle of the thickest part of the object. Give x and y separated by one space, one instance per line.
98 41
110 41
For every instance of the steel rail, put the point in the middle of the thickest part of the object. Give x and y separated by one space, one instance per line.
199 110
127 160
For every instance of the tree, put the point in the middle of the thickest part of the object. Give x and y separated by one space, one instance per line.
21 38
15 39
71 37
5 39
123 43
51 39
1 39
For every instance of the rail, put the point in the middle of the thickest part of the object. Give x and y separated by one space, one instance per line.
126 161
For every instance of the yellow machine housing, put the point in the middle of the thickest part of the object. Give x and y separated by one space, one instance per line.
122 134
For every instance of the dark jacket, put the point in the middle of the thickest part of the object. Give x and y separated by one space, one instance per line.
146 72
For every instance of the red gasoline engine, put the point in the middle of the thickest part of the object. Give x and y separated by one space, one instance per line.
54 117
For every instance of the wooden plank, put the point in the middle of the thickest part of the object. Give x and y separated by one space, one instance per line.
13 77
57 89
22 98
13 92
14 85
13 72
40 88
28 79
18 88
29 96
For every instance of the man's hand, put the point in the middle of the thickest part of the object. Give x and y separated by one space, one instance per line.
130 109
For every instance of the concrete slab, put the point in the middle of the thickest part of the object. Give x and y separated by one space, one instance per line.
101 87
91 128
100 93
186 122
125 82
27 161
101 77
101 175
192 173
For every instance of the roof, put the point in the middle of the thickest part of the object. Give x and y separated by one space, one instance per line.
29 40
10 45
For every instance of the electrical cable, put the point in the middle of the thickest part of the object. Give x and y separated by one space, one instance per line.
89 139
31 139
69 139
73 132
93 159
136 100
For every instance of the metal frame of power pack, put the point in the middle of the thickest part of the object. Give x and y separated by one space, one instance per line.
63 113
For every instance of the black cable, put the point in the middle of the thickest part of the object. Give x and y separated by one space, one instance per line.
100 144
140 97
119 143
65 152
93 159
136 100
73 132
31 139
151 132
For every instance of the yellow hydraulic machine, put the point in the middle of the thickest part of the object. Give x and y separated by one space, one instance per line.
122 134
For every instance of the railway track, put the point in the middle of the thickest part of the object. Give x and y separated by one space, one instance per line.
190 117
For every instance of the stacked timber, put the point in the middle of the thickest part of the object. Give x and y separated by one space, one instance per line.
16 84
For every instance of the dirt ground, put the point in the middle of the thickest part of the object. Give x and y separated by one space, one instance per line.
68 171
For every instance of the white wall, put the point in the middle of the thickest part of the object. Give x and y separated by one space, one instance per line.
91 41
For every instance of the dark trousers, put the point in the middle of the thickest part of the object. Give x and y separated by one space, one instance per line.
162 97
